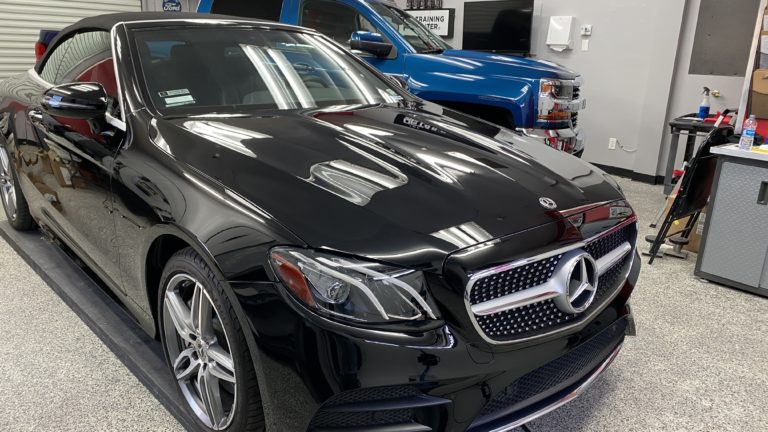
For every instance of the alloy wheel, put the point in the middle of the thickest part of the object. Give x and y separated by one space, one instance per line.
199 351
7 188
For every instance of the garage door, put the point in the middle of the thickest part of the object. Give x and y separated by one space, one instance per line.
22 20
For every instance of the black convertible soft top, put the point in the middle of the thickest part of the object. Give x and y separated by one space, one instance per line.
107 21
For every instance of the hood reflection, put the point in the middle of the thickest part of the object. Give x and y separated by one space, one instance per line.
353 182
464 235
229 136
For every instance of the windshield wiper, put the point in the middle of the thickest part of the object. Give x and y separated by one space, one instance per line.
433 51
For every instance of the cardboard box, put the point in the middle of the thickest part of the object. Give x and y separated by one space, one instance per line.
678 226
759 103
763 54
697 233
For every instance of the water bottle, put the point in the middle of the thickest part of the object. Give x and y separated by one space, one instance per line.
748 134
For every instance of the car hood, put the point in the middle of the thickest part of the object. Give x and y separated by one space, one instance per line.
516 66
396 184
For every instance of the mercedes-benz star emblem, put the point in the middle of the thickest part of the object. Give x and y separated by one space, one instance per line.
548 203
580 281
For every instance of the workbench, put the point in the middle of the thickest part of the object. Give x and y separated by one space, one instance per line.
693 128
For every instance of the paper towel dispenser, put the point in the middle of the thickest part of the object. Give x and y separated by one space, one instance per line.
559 33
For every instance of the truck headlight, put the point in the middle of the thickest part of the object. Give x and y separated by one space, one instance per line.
550 87
353 290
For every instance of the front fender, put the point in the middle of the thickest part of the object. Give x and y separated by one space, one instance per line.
238 294
450 79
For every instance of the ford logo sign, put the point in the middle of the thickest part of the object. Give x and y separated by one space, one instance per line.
171 6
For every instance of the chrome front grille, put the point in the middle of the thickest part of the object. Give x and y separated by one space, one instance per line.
514 280
512 302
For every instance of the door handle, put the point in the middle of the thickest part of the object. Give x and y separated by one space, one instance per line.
35 116
762 195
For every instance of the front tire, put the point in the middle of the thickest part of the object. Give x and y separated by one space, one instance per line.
14 203
205 347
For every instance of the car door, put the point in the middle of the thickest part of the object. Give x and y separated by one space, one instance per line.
73 158
338 21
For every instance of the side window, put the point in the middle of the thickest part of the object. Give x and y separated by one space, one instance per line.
84 57
334 20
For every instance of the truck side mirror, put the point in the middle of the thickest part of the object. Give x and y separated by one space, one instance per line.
399 81
373 43
84 101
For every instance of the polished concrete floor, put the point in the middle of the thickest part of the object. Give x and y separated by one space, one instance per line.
697 364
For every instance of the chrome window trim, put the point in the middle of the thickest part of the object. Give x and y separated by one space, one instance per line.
118 123
509 266
115 122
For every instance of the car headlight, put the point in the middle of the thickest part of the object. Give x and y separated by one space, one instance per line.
353 290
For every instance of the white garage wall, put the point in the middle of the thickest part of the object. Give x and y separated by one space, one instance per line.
22 20
628 73
686 88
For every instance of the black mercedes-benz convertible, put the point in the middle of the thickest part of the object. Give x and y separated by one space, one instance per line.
316 248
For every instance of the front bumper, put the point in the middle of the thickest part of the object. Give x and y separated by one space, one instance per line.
569 140
322 376
535 411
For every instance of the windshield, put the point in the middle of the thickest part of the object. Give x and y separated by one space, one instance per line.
215 69
422 40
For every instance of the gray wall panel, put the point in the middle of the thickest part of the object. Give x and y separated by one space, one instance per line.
723 37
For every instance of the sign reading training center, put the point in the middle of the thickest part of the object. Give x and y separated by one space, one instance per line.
439 21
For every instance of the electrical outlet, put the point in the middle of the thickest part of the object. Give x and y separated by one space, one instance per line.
612 142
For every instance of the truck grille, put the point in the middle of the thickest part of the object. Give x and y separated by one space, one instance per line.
544 317
575 114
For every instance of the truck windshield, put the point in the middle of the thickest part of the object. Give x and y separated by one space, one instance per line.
199 70
422 40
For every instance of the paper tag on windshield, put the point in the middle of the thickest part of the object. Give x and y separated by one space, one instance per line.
170 93
176 97
179 100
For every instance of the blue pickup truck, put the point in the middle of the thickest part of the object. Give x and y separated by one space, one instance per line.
536 97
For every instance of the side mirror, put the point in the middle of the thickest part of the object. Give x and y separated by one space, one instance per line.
84 101
399 81
373 43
